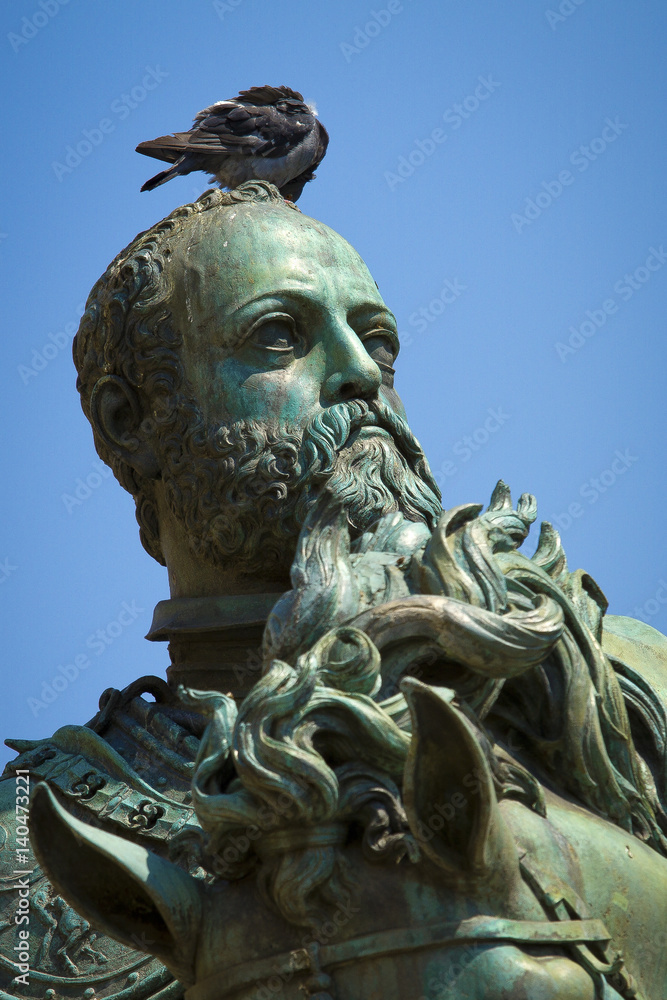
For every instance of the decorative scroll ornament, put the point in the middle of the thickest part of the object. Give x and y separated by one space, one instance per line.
517 638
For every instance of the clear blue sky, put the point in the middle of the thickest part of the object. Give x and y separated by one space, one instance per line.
530 214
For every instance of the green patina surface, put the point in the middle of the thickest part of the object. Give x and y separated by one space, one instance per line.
435 770
279 314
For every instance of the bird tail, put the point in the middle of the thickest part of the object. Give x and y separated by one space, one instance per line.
161 178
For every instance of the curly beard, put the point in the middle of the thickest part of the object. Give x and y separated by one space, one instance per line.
243 491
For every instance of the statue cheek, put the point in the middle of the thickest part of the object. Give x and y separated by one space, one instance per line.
392 399
283 397
238 391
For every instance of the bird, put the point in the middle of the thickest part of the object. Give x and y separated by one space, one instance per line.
266 133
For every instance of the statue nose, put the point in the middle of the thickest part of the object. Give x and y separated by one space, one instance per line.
353 373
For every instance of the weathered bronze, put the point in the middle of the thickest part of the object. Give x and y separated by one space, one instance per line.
394 757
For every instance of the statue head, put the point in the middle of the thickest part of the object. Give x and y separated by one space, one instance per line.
236 364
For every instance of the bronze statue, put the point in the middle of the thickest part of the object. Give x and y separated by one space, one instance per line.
393 757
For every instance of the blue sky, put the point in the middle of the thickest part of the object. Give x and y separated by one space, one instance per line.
501 169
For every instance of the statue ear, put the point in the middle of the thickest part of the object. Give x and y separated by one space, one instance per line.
123 889
448 787
117 418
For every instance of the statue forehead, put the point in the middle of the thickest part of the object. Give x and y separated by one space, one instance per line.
224 257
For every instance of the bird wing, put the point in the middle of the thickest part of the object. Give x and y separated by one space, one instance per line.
257 129
167 147
228 127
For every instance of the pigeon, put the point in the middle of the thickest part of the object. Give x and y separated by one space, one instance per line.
266 133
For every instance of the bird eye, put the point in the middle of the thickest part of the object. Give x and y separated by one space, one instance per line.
276 333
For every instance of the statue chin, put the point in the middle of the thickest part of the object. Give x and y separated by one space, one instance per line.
247 491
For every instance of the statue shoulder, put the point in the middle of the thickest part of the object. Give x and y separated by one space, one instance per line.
128 770
640 647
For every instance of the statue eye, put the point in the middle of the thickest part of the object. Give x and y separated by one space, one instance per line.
381 348
277 333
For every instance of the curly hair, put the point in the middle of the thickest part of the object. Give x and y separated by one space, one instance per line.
127 332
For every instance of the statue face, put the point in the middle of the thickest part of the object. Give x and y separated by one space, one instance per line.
287 350
280 318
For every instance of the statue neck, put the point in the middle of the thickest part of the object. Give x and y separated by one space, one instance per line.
214 642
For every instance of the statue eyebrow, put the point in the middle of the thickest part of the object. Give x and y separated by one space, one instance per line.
310 298
373 310
277 295
379 315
